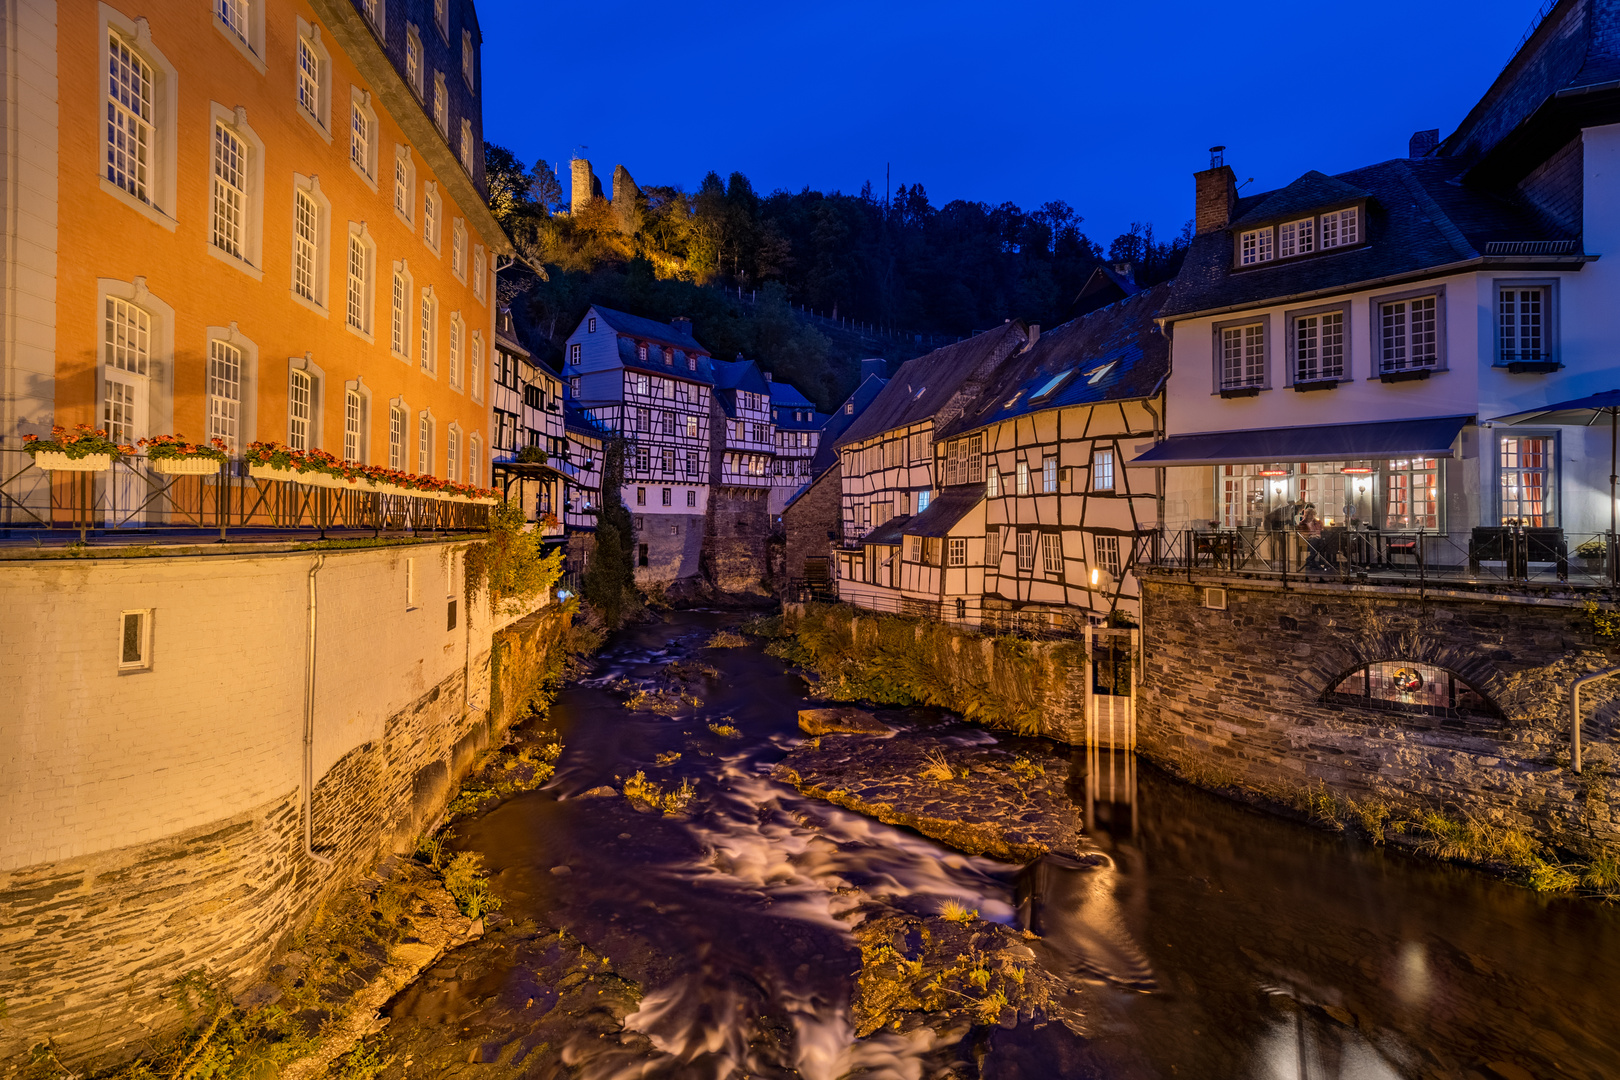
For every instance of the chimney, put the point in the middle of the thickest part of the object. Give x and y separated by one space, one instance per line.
1126 270
1422 143
681 325
1216 194
1034 335
585 186
767 376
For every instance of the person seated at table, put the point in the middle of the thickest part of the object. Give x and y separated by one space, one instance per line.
1310 528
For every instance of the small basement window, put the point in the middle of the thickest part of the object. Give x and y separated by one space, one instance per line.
135 640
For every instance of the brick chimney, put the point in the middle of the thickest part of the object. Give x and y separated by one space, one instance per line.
1216 194
1125 269
1422 143
767 376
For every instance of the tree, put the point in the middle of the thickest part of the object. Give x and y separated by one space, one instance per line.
544 187
508 184
609 583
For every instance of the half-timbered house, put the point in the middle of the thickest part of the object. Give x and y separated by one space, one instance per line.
798 437
1034 488
886 455
651 382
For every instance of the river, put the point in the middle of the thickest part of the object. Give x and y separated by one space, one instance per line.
1217 942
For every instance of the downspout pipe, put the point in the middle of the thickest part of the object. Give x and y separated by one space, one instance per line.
309 721
1575 713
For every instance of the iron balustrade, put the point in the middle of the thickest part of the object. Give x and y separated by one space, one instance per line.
134 498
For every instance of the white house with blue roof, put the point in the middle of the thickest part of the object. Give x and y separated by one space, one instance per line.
651 383
798 437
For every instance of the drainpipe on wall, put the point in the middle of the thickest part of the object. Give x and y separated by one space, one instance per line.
309 723
1575 714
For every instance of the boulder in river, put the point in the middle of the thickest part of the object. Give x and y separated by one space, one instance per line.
841 721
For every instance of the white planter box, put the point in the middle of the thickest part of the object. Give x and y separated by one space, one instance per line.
56 461
270 472
196 466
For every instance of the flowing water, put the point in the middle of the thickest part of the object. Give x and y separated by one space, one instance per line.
1212 942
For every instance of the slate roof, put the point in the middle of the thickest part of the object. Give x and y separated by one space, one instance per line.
952 505
786 396
1419 216
1116 353
649 329
889 532
923 386
575 419
863 395
1313 191
629 357
816 421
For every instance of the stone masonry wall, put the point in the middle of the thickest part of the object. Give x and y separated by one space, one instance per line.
734 555
92 941
809 520
1237 696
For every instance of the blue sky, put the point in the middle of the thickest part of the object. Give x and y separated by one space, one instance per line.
1109 107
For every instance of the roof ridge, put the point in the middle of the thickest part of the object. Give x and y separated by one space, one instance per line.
1439 217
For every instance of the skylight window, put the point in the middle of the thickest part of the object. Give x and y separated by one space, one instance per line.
1013 400
919 393
1051 384
1098 374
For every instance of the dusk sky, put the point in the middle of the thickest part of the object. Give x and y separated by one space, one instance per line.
1109 107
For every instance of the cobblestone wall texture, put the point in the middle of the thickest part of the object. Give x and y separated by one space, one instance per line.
92 940
734 556
1237 696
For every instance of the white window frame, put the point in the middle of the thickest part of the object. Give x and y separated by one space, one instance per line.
309 187
1552 505
441 104
376 12
249 258
425 425
300 409
224 417
401 304
1339 228
1244 378
153 384
475 366
469 60
432 216
1383 365
1256 246
479 273
1052 554
142 661
405 185
1549 319
956 551
155 194
413 73
1021 472
354 424
475 459
1293 321
1026 551
468 145
441 18
320 115
364 136
399 425
992 483
1106 549
458 249
245 28
1296 238
360 239
1049 474
452 451
427 331
1102 469
458 340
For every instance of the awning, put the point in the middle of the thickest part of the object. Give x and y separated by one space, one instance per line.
1581 412
1432 437
952 506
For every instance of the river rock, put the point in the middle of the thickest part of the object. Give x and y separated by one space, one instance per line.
844 721
990 806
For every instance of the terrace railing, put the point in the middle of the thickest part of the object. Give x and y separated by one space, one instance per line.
135 499
1486 556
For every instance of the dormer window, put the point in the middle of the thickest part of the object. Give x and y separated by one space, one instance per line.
1296 238
641 352
1341 228
1255 246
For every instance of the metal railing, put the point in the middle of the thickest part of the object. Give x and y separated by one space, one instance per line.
1489 556
133 498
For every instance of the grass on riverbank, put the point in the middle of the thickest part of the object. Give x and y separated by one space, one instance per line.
1461 837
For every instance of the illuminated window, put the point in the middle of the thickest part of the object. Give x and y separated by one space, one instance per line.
413 59
1107 554
1412 494
1407 686
230 191
359 307
478 271
424 445
224 392
441 104
352 413
1023 478
1052 553
135 640
311 71
1049 475
1525 481
1026 551
956 551
299 407
425 346
129 119
305 239
1102 470
396 437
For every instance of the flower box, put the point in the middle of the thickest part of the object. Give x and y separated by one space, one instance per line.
270 472
185 466
57 461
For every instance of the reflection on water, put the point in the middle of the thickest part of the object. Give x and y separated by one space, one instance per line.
1205 940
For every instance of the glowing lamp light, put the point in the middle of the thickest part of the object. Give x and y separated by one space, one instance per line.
1096 576
1357 470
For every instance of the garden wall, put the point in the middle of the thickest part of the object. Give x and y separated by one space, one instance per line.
155 816
1237 696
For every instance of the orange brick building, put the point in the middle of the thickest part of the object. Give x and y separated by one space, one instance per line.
244 219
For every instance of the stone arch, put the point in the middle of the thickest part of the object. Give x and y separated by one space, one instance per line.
1465 661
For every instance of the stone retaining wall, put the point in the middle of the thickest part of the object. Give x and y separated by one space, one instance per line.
1237 696
91 944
